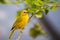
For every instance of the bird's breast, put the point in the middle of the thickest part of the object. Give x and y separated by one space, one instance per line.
25 19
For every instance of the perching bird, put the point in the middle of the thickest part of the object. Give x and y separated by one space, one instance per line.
20 22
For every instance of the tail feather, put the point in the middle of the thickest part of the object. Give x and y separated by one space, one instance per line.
11 33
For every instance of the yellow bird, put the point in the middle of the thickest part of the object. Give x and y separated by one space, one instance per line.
20 22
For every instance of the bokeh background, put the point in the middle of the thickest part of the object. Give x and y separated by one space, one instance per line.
7 18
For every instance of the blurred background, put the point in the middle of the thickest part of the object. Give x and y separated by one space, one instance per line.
7 18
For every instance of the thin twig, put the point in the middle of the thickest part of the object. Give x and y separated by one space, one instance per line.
21 32
20 35
31 17
33 14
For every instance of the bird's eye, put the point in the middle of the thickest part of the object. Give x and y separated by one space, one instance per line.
24 12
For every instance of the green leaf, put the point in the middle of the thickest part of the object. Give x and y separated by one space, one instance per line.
29 2
8 1
17 1
39 15
56 0
33 33
22 0
2 1
51 2
54 7
36 3
46 11
36 30
41 1
32 9
42 9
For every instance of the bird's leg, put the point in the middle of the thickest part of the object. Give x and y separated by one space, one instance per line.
20 35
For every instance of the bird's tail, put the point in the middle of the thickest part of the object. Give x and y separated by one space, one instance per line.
11 33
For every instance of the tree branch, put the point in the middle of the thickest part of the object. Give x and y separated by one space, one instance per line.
19 35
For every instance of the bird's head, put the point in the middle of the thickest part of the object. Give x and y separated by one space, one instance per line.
24 12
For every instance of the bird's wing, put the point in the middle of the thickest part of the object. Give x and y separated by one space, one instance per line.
18 20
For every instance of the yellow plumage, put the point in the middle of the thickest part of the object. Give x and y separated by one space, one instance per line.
20 22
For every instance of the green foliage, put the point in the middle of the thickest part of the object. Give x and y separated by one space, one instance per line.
42 5
54 7
46 11
2 1
17 2
33 5
39 15
5 1
36 31
9 2
56 0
